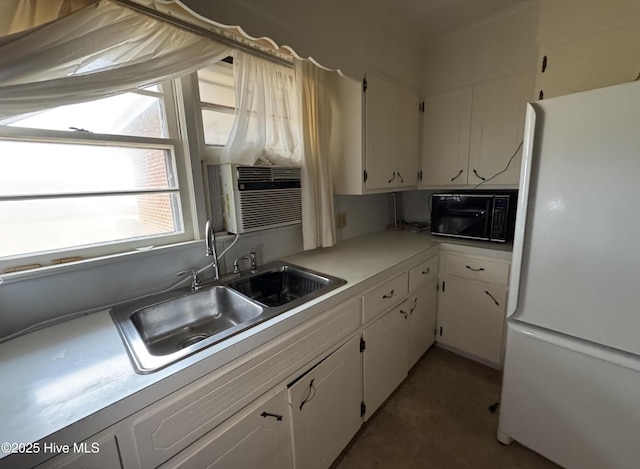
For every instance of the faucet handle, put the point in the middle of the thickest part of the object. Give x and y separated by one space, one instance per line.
236 267
254 261
195 281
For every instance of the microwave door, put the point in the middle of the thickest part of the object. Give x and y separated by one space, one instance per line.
466 217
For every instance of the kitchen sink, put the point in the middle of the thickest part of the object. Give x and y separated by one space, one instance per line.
281 285
163 329
179 323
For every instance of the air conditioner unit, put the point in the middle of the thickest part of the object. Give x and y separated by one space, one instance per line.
260 197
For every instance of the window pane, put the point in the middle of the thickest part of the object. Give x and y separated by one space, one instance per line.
216 85
217 126
125 114
31 226
28 168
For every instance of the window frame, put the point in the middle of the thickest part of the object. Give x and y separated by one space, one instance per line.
190 205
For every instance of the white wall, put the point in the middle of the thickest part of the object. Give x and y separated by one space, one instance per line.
502 45
333 32
588 43
365 214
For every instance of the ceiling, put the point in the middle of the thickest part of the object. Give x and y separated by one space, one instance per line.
422 20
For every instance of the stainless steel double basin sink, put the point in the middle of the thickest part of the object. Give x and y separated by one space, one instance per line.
162 329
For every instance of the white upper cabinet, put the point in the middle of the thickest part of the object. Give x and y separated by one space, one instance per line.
471 133
446 130
374 136
497 128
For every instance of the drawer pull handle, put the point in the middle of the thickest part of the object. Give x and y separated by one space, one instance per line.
390 295
415 304
275 416
404 314
491 296
401 178
425 272
310 395
481 269
392 179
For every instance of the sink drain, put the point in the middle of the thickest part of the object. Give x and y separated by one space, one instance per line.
194 339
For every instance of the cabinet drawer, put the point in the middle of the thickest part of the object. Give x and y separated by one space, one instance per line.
423 273
385 296
477 268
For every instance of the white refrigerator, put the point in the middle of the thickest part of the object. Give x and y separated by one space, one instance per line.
571 384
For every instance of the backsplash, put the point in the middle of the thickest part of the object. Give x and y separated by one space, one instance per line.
49 298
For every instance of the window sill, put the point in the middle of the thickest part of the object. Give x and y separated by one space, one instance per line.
50 270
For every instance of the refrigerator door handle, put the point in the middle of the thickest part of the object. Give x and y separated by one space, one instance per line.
521 217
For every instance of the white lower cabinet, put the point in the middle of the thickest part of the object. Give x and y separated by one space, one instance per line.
258 437
386 356
471 318
422 320
325 407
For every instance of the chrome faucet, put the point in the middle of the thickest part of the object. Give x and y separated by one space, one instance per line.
210 242
195 281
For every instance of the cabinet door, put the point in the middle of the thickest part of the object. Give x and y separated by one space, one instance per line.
497 128
325 406
471 318
407 150
258 437
386 356
445 138
422 315
380 132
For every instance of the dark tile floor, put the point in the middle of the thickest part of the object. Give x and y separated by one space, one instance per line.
439 419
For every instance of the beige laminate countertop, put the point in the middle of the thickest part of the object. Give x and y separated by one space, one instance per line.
79 370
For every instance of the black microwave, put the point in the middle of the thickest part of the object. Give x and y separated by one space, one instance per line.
483 215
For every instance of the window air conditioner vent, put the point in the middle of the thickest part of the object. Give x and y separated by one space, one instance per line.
267 174
260 197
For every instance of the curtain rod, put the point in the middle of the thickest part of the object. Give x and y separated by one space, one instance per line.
203 32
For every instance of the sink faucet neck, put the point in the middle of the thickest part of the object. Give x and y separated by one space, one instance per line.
210 243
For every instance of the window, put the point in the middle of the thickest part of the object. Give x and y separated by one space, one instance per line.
92 179
217 101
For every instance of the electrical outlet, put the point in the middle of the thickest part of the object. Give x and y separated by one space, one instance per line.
341 220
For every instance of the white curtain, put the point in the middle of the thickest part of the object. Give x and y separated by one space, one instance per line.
266 129
318 228
98 51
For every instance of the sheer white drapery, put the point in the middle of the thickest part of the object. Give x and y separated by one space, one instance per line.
98 51
318 228
266 127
